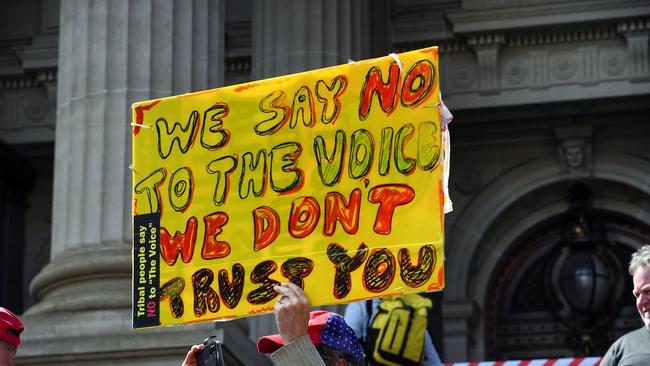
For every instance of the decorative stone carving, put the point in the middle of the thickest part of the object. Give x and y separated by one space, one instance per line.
452 46
36 109
637 33
22 109
27 105
636 25
589 70
487 53
516 72
489 4
540 68
463 77
574 150
613 63
564 67
565 36
18 82
9 119
574 154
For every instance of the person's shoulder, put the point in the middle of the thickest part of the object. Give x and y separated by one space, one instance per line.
641 332
354 305
632 338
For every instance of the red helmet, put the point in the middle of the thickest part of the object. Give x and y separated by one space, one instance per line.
10 327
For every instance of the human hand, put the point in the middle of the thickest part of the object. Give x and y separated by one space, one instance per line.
190 358
291 311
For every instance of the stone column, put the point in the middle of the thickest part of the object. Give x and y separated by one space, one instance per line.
291 36
113 53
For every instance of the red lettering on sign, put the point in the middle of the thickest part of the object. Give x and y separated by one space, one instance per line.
180 242
212 247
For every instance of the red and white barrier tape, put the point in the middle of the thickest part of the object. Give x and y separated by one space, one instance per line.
581 361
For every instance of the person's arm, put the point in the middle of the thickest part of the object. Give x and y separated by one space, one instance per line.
357 318
431 357
299 352
292 318
613 356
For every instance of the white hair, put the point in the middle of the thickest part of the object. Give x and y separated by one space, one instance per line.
640 259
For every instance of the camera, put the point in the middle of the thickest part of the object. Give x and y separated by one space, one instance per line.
211 354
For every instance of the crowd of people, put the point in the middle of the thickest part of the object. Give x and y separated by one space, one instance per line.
317 338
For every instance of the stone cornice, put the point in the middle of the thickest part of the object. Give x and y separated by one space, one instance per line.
29 80
444 47
556 93
530 38
569 35
486 40
453 46
40 56
238 64
635 25
552 14
416 21
40 52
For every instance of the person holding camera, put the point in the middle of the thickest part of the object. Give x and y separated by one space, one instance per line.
317 338
190 357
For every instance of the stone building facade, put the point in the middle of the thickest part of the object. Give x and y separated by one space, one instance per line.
545 95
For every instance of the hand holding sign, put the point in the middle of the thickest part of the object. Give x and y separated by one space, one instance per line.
291 311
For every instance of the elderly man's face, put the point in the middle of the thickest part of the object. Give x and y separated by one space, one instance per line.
641 280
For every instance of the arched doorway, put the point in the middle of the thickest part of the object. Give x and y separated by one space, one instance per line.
523 207
522 319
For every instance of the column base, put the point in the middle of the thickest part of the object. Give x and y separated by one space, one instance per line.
105 337
83 316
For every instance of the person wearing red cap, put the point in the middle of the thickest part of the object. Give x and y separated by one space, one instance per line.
317 338
309 338
10 329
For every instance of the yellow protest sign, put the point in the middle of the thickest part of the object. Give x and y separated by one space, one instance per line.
330 179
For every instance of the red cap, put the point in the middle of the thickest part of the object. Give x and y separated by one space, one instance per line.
324 327
10 327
